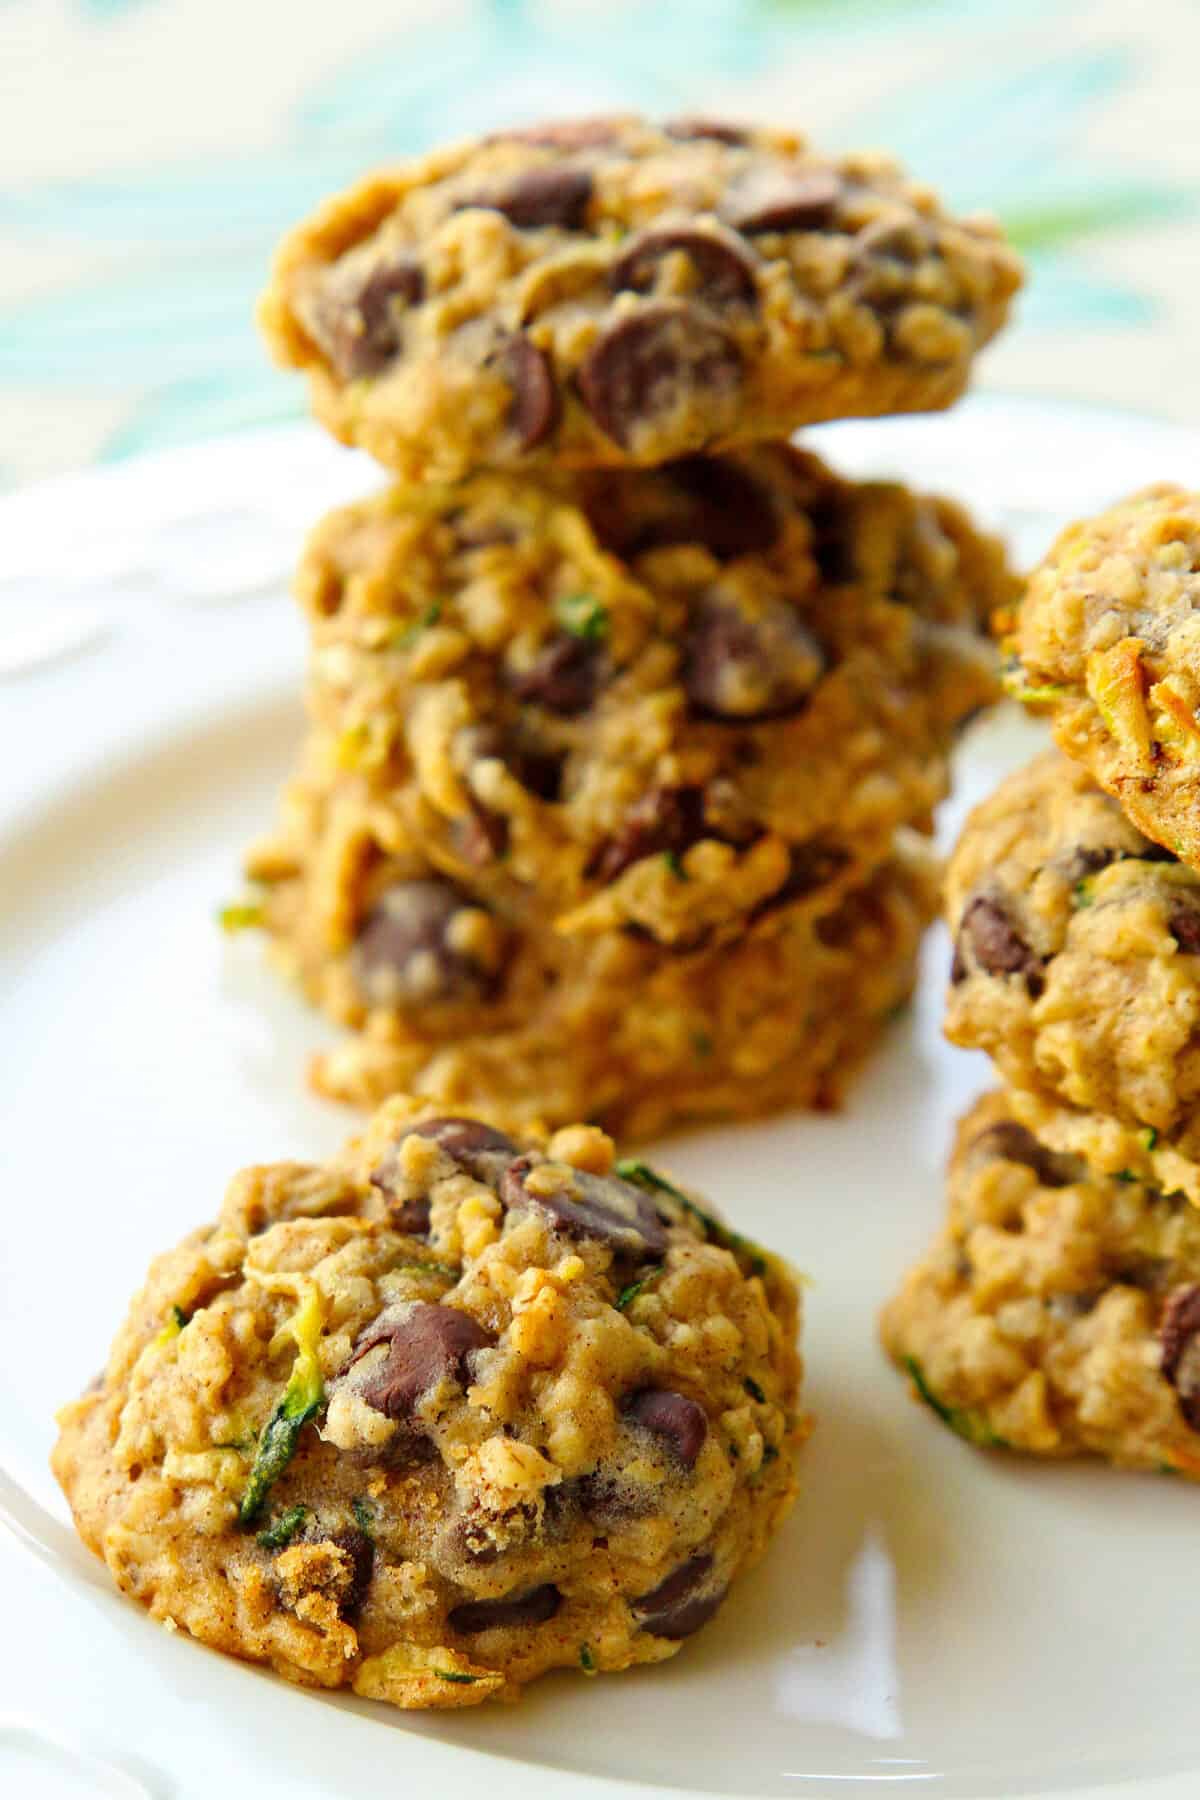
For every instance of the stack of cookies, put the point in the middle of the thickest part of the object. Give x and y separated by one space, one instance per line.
1059 1310
627 719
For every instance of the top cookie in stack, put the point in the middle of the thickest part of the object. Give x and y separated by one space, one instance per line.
610 291
626 726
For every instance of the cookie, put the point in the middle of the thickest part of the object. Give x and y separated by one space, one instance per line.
1108 639
1077 967
613 292
776 1010
647 699
1057 1312
443 1414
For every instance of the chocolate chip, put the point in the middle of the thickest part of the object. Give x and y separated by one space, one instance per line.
1180 1352
425 1344
665 819
744 666
671 1416
410 1216
674 1609
783 199
1083 861
724 274
997 947
533 1608
476 1147
564 676
650 361
534 410
553 195
1010 1142
689 128
403 954
811 866
534 765
359 316
361 1551
695 500
1183 923
601 1207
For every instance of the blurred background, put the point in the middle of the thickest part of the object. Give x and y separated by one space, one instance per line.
152 150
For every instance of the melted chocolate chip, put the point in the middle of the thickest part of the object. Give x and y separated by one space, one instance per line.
360 317
1012 1143
553 195
601 1207
534 410
695 500
673 1417
666 819
724 275
533 1608
648 363
425 1344
783 199
674 1609
403 955
479 1149
811 866
746 666
1183 923
1180 1353
996 946
564 676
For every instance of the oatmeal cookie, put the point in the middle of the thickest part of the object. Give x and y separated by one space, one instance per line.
442 1415
610 292
456 1002
653 698
1057 1312
1108 638
1077 967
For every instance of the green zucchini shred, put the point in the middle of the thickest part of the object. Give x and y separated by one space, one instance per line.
302 1397
283 1529
642 1175
964 1424
240 915
629 1294
364 1518
455 1675
754 1390
587 1661
582 616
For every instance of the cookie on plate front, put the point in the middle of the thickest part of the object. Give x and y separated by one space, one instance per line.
443 1414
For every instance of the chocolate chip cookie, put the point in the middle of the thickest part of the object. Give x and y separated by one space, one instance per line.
443 1414
644 699
633 733
1108 639
1077 968
473 1006
1057 1312
615 292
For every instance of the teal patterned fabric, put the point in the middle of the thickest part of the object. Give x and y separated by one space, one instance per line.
172 254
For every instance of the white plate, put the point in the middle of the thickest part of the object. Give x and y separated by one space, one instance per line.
933 1616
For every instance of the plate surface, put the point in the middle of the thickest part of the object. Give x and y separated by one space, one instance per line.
971 1623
